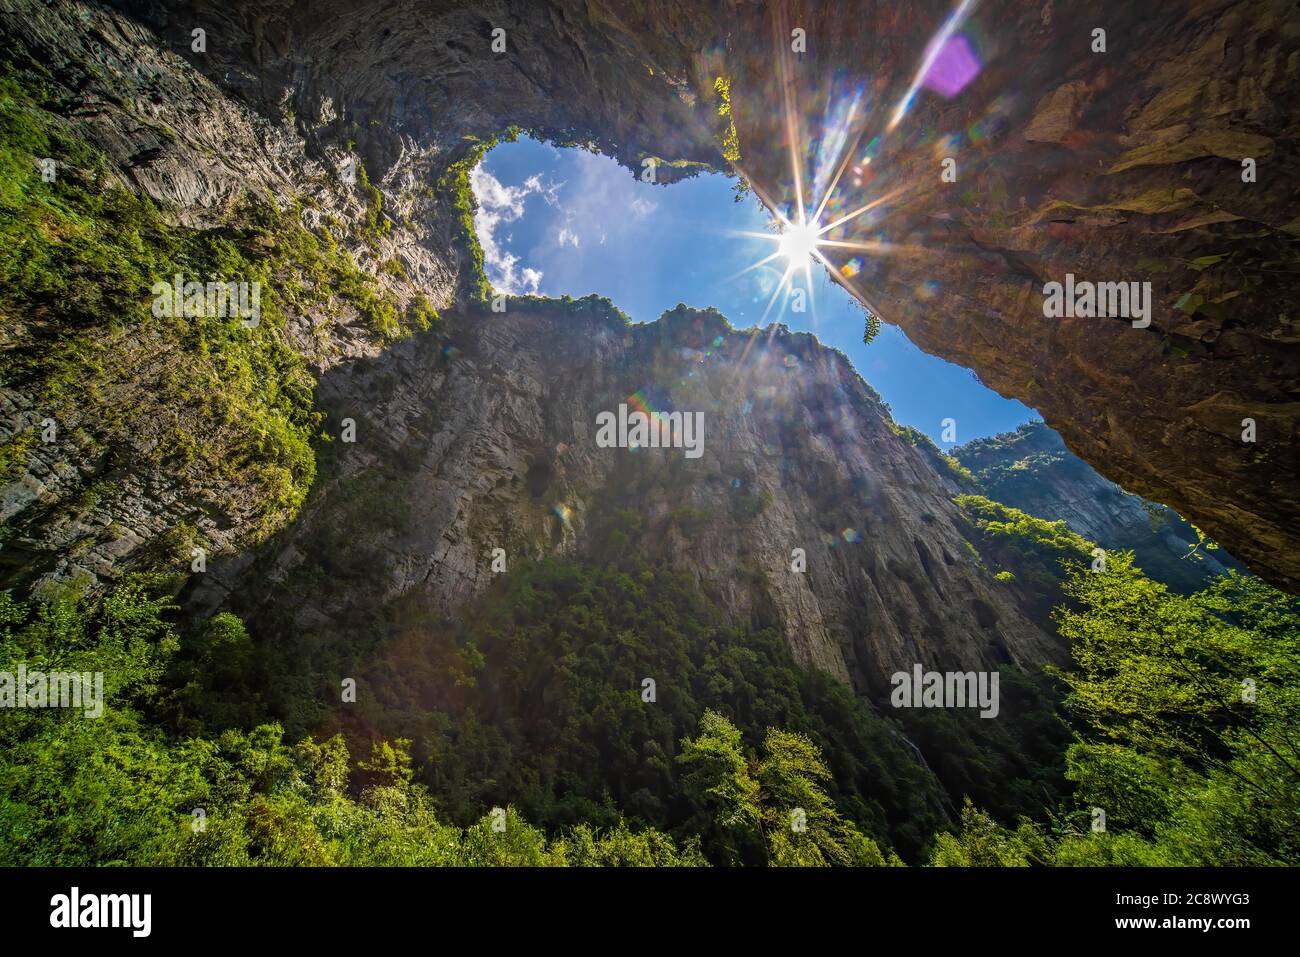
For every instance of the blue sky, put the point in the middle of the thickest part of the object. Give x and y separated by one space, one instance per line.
565 221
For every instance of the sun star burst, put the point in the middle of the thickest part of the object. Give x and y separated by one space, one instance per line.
801 240
797 243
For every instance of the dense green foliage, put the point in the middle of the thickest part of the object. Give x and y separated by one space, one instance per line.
1046 543
1191 706
774 810
118 790
1034 552
1187 715
534 697
1012 766
1191 763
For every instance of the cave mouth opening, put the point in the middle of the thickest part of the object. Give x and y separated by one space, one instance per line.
557 220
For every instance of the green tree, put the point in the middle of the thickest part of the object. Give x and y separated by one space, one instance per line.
718 778
1190 712
800 822
982 842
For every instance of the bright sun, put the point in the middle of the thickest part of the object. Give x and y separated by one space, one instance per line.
802 237
797 244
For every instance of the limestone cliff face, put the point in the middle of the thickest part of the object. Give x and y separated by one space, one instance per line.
1122 165
1032 470
490 443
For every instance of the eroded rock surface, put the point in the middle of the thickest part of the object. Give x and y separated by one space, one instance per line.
490 442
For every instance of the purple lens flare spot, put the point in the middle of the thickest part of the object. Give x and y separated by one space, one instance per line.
953 69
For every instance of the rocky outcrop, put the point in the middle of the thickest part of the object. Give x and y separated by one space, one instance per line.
490 442
1032 470
106 498
1122 165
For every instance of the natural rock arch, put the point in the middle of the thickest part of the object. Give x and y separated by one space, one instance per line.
1123 165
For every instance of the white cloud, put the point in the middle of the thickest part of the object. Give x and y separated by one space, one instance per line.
499 204
640 208
551 194
603 212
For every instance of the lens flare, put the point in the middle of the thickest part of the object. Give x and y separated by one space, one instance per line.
806 227
954 68
932 53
